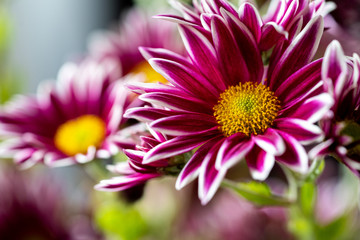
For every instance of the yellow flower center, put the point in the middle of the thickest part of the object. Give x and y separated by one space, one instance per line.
77 135
150 74
249 108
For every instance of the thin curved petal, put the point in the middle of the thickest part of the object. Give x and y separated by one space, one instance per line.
299 53
303 131
209 177
295 156
260 163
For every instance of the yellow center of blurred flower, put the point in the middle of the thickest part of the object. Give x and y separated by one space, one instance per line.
150 74
77 135
249 108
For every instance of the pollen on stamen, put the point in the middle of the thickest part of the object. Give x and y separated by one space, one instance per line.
248 108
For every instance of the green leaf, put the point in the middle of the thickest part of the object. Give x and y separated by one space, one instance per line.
337 229
120 221
258 193
307 198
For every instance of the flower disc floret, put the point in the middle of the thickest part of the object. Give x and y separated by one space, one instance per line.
248 108
77 135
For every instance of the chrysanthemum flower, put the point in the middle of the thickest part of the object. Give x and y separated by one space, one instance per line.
136 29
282 21
34 208
226 102
342 124
73 121
134 172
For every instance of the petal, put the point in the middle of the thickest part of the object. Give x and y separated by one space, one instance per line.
177 102
209 177
178 145
295 156
251 18
202 54
303 131
227 50
260 163
233 150
299 53
192 167
300 82
184 124
184 77
313 109
271 34
247 44
270 142
334 69
146 114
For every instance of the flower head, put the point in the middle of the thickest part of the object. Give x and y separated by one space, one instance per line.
136 29
342 124
74 121
134 172
224 101
34 208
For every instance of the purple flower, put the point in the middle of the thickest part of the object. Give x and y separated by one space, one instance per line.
341 125
73 121
134 172
136 29
34 208
282 21
226 103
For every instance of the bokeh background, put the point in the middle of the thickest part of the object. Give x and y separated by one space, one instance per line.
36 38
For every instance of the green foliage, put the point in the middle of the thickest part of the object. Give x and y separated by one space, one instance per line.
307 198
120 221
258 193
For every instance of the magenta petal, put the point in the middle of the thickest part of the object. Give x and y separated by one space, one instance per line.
178 145
295 156
192 167
334 69
202 54
303 131
251 18
172 101
148 113
271 35
227 50
259 162
300 83
313 109
271 142
124 182
149 53
184 124
299 53
247 44
209 177
184 77
233 150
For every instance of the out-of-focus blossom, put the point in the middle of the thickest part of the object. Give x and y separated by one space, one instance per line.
73 121
134 172
229 217
33 208
342 125
136 29
226 102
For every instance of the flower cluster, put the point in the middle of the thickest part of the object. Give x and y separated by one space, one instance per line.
244 88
